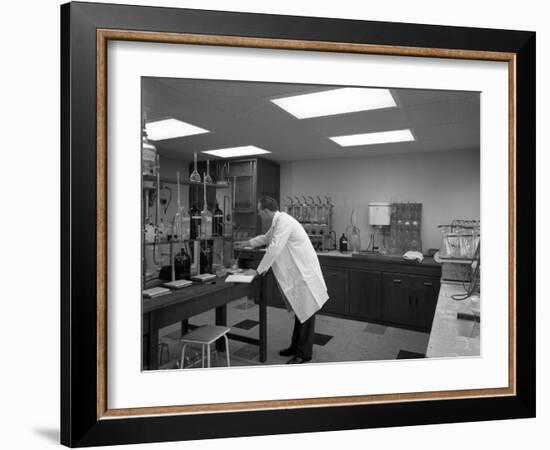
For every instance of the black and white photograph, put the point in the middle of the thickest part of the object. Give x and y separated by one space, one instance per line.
257 225
287 223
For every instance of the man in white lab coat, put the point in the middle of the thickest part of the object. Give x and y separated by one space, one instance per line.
297 271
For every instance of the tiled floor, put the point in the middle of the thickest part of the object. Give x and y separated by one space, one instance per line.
336 340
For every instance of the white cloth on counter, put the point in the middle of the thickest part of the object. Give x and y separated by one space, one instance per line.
414 255
295 265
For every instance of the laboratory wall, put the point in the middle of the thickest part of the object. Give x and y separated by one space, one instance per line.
446 183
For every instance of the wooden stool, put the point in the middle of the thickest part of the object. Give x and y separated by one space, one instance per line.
205 336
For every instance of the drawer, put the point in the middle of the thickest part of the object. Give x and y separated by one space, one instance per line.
427 283
398 280
334 274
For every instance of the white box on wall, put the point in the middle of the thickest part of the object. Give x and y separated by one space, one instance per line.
379 213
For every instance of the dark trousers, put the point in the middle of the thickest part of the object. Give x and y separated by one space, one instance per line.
302 337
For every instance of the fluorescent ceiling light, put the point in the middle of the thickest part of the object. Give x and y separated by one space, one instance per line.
247 150
383 137
336 101
170 129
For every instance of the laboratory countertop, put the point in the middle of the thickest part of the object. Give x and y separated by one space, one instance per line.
366 256
451 336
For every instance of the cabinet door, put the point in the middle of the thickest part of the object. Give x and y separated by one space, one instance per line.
425 291
243 176
365 301
337 287
398 305
243 192
242 168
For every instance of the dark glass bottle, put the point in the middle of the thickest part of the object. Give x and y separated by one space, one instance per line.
182 263
343 243
217 222
206 258
195 222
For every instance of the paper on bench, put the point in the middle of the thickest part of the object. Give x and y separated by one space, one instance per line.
239 278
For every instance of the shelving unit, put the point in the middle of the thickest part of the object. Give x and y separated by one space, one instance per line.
178 241
185 182
238 185
248 179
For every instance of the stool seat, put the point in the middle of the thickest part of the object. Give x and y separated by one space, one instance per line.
205 336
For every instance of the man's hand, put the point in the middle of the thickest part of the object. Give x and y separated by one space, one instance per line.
241 244
251 272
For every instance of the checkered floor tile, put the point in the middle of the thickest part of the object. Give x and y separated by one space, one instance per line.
404 354
321 339
246 324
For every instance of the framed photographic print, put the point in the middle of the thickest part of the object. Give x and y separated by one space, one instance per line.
273 224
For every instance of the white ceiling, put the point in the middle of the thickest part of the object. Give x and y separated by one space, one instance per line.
239 113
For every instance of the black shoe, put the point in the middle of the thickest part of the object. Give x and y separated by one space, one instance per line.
287 352
298 360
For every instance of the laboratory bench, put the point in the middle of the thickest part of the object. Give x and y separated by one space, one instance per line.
450 334
369 287
180 305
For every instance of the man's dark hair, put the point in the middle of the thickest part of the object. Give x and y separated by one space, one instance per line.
267 202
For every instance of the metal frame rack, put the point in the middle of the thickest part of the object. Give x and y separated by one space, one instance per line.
316 218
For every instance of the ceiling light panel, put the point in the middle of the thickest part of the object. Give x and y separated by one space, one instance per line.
336 101
383 137
247 150
170 129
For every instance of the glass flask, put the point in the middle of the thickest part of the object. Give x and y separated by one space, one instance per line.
207 177
195 177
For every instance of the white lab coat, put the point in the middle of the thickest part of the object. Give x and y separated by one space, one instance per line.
295 265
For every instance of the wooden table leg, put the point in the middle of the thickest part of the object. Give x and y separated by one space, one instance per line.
261 298
221 319
145 341
153 343
145 352
184 327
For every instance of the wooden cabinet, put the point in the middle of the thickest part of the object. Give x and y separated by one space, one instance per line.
365 300
425 292
409 300
250 179
384 290
337 281
243 176
397 306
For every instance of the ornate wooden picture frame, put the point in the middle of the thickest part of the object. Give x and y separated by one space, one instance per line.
86 418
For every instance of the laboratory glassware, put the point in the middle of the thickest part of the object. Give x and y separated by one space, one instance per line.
354 234
206 216
207 177
148 155
217 221
182 263
195 222
343 243
195 177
